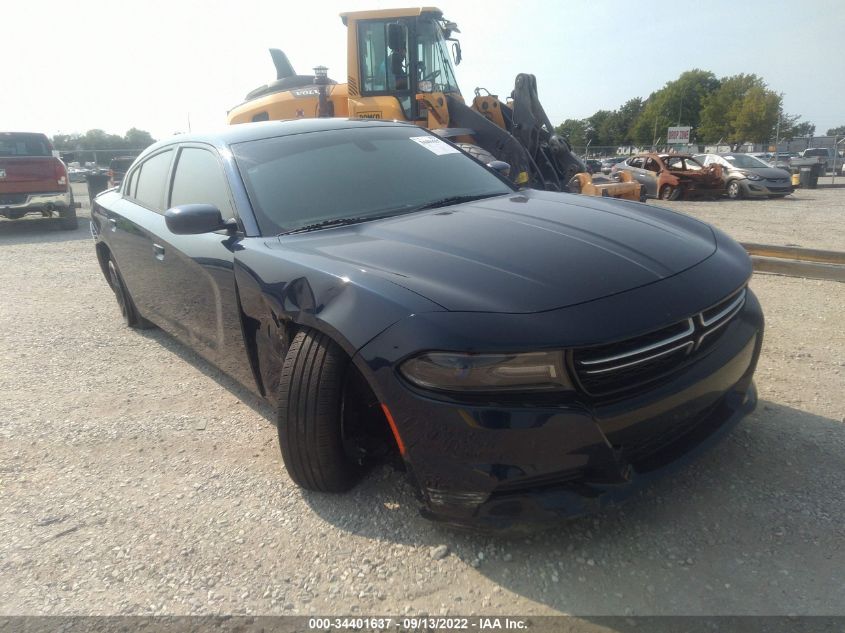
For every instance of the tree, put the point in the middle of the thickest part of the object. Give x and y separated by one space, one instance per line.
791 128
86 146
574 130
756 116
742 109
836 131
138 139
679 102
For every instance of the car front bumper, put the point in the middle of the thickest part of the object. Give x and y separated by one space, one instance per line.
507 463
763 188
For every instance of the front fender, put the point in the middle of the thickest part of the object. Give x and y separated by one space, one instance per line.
279 295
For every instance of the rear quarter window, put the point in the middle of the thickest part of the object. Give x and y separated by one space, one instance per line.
152 180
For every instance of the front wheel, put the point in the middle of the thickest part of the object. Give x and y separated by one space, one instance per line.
734 190
310 414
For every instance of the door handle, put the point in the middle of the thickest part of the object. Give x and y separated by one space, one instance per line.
158 251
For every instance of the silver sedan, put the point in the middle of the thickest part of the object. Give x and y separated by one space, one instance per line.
746 176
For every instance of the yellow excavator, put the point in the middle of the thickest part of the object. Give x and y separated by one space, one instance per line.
400 67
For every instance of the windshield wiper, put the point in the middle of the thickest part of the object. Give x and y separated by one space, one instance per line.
445 202
325 224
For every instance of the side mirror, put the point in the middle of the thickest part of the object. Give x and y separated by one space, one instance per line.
193 219
500 166
456 52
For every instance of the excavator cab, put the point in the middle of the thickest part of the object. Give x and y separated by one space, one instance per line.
393 58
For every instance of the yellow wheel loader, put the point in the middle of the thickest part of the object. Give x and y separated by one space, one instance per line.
400 67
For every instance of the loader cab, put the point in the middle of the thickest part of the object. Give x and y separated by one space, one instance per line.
393 57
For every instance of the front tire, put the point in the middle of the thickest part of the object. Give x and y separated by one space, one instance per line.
310 413
734 190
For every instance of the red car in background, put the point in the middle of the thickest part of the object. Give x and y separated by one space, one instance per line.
32 180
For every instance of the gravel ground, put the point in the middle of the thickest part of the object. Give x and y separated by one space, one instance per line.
806 218
135 478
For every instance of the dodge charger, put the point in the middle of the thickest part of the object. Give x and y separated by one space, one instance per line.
525 355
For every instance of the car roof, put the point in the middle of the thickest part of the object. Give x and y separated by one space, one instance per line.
244 132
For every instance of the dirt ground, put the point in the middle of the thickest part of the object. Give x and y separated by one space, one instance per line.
136 478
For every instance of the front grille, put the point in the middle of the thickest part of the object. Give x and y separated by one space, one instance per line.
13 198
612 369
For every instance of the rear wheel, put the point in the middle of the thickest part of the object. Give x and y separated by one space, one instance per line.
668 192
124 300
643 193
310 414
68 216
734 190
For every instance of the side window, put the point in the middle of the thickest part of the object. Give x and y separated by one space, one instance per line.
636 162
199 179
652 165
152 180
383 51
372 51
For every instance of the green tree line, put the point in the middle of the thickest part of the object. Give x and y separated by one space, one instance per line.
731 110
81 144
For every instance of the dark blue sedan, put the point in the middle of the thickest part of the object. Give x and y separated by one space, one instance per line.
525 355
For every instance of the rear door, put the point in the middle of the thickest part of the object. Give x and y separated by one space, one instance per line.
132 227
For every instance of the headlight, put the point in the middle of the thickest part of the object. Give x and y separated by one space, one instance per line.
450 371
753 177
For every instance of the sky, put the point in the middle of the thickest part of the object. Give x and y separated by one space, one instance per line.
163 66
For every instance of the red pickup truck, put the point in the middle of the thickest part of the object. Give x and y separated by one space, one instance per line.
32 180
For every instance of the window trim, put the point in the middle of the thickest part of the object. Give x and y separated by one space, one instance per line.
216 154
140 168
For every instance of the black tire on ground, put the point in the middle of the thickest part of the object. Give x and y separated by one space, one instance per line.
124 300
734 190
310 414
643 193
69 220
478 153
668 192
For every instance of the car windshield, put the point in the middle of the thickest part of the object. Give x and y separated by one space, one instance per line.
744 161
305 179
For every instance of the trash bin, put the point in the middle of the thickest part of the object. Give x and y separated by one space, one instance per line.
805 177
815 171
97 183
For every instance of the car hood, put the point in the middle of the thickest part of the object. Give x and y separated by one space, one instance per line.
526 252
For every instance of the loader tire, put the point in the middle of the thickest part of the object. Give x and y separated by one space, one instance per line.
478 153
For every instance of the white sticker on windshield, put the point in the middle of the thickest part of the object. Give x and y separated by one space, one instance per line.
435 145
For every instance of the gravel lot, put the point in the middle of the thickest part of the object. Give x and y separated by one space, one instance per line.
135 478
810 218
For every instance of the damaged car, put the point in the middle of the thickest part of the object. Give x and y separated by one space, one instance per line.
674 176
525 355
